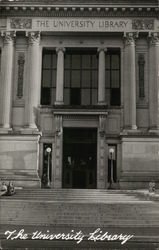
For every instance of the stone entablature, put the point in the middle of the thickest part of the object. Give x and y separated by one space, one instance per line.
80 24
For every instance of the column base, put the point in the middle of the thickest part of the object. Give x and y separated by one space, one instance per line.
101 103
29 129
130 130
59 103
154 131
24 179
5 130
133 127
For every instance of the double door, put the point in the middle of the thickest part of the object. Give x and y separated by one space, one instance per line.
80 158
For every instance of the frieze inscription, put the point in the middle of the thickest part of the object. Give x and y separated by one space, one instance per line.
96 24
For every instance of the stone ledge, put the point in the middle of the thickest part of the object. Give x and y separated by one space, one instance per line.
151 196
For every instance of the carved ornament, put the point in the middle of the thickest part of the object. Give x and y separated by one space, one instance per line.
130 38
102 123
33 37
143 24
8 36
58 125
154 38
21 23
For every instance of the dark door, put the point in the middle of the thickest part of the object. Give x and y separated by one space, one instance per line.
79 158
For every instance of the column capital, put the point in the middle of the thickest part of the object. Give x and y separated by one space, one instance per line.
60 49
8 37
130 38
102 49
33 37
154 39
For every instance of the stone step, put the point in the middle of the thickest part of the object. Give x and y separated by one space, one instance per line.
78 207
34 212
74 195
75 191
77 199
54 198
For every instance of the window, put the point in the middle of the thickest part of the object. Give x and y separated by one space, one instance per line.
48 88
81 78
112 77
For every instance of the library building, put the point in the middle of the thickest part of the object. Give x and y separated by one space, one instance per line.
79 93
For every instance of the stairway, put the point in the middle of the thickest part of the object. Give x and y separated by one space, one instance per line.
115 210
78 207
74 195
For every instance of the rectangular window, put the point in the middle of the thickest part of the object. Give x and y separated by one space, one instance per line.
48 86
81 77
112 77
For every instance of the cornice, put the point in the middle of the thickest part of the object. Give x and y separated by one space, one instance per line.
89 2
78 11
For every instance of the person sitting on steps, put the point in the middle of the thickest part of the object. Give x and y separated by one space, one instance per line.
10 189
3 188
7 190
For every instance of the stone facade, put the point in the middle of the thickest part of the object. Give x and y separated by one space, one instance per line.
131 128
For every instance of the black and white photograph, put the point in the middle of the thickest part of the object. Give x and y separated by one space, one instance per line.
79 124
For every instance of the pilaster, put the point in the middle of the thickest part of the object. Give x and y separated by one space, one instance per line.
57 168
154 81
101 160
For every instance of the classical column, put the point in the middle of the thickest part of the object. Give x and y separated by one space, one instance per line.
60 76
101 76
6 80
33 93
154 81
129 82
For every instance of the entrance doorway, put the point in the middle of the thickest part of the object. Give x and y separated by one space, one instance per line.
79 158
